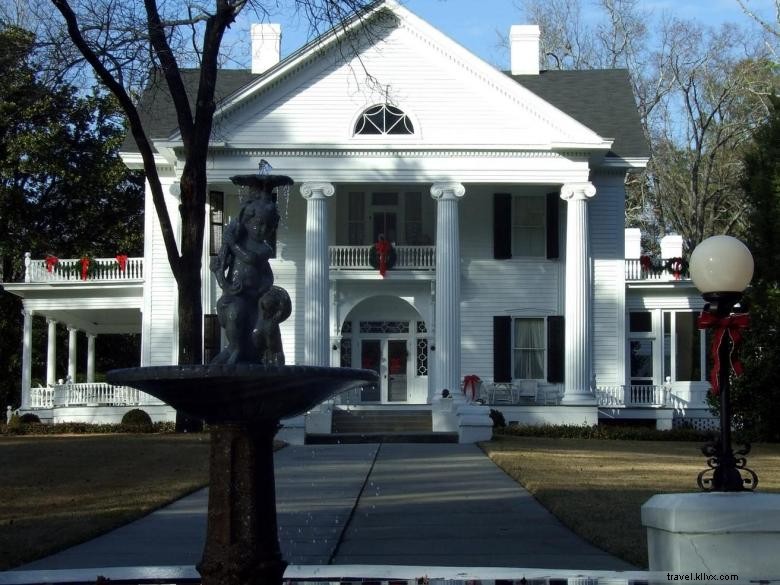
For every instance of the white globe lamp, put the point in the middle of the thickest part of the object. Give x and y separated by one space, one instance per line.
721 264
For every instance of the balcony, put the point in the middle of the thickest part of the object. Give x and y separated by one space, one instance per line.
359 258
72 270
643 270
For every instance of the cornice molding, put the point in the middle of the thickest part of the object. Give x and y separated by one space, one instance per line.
392 153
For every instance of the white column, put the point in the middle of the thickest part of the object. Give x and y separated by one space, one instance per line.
578 318
91 357
26 358
51 353
316 275
446 357
72 331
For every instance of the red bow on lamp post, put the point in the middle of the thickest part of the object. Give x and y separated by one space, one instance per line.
731 325
471 385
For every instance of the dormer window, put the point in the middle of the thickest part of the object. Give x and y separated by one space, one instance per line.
383 119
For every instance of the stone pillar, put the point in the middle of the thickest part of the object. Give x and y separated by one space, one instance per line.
578 318
51 353
447 312
316 275
91 357
72 353
26 358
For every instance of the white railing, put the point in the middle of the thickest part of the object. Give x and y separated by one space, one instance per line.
358 258
635 271
87 394
70 269
633 395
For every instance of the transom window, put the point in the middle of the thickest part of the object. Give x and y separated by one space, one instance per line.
383 119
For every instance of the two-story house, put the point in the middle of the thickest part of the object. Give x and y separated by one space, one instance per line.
502 194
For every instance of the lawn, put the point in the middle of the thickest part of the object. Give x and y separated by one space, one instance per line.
57 491
597 487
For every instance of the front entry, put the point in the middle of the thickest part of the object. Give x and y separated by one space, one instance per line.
389 359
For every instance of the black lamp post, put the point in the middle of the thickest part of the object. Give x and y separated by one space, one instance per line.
721 268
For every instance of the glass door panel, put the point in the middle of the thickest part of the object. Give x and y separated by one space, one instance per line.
397 357
371 359
385 222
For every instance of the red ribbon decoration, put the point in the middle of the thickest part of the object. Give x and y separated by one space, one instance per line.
84 267
122 260
722 325
383 248
471 384
50 262
645 262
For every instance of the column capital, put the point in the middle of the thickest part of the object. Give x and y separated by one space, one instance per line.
317 190
448 190
50 321
73 328
578 191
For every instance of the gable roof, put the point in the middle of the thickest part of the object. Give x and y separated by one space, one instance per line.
601 99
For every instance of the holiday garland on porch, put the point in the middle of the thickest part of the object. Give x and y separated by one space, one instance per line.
677 266
382 255
86 267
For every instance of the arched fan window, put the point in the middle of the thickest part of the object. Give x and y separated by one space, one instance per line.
383 119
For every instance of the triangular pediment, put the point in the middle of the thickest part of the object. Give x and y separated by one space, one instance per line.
453 99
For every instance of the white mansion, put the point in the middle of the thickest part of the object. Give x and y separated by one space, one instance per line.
502 194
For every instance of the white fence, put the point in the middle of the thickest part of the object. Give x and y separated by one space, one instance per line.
633 395
88 394
635 271
358 257
70 269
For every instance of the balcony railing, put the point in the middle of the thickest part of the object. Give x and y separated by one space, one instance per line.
70 269
88 394
633 395
636 271
359 258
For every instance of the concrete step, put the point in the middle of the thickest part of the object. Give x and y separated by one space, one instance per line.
381 421
351 438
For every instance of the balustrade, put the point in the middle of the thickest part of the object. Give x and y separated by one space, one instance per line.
359 257
70 269
633 395
87 394
635 271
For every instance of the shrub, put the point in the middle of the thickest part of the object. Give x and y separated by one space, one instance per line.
136 418
627 433
29 418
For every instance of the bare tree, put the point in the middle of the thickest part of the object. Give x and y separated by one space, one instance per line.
699 93
122 42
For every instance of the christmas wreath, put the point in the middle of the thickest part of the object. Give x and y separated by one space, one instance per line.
382 256
677 266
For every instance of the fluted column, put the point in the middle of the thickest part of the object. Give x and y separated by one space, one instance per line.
26 358
316 274
72 332
91 357
51 353
578 318
447 311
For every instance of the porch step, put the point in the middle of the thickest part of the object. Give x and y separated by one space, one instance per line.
381 421
349 438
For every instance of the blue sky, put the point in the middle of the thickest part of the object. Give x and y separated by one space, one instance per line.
476 24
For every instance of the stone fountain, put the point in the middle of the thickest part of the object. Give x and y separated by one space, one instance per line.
243 394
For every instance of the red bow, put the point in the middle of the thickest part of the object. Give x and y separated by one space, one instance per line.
50 262
383 248
84 267
722 325
122 260
471 383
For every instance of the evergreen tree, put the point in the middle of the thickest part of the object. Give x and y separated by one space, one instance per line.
63 188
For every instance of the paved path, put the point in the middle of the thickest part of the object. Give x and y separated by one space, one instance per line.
390 504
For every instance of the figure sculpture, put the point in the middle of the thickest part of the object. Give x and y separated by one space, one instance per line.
251 307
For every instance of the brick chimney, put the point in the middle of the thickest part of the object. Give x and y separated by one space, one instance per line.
524 49
266 46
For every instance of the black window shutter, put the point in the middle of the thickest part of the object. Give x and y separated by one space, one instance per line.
502 349
553 201
555 349
502 226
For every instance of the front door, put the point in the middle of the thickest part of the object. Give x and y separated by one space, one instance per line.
389 359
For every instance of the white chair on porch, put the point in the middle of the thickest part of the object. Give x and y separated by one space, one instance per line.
527 390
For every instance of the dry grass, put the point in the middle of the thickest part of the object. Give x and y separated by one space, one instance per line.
597 487
57 491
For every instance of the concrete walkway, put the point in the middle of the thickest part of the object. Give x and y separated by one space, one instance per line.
390 504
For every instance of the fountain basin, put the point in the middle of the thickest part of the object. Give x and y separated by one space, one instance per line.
242 393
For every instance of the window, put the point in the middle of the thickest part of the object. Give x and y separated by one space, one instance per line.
355 219
683 347
383 119
216 221
640 346
528 349
525 226
528 226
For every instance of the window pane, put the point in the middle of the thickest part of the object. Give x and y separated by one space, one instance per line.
528 226
529 349
641 361
640 322
687 358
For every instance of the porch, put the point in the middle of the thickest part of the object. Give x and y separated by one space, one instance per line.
86 394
